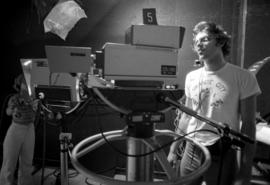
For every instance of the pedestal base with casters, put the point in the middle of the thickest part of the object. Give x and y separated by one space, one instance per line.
134 178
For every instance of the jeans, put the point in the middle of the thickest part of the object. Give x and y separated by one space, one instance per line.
223 164
18 144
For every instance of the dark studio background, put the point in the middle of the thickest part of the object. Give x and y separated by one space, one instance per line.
107 20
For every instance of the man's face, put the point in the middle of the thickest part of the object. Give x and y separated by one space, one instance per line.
205 45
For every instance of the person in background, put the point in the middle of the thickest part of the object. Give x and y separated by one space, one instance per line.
225 93
20 137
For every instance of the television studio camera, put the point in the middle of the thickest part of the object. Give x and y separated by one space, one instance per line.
139 79
133 79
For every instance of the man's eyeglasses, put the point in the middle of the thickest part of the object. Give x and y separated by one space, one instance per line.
203 40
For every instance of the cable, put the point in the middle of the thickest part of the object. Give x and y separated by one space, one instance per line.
81 111
100 95
266 117
48 175
153 151
124 111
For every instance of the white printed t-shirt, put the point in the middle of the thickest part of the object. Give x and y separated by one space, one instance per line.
216 95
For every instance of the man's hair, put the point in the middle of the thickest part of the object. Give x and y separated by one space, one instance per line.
221 36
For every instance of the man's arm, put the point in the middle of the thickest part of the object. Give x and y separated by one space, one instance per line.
248 115
11 106
181 129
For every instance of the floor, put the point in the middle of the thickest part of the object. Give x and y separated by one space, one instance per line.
52 177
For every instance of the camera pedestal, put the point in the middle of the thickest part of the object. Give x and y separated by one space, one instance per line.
140 126
141 139
138 169
141 146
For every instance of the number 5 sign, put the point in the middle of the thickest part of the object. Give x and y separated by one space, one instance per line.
149 16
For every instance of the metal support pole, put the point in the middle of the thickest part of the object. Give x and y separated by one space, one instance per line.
64 144
139 168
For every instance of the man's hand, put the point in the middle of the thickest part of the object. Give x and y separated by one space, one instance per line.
172 158
241 181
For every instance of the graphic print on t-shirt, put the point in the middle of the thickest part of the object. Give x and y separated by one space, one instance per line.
209 92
